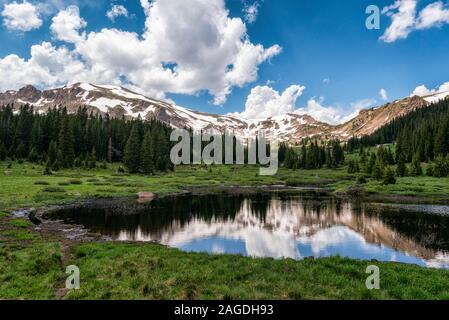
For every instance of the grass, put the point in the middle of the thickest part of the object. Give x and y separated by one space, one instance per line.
19 188
33 268
29 266
149 271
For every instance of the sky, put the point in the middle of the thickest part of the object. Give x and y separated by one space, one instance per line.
251 58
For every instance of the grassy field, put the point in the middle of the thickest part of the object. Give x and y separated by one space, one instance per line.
24 185
33 268
32 265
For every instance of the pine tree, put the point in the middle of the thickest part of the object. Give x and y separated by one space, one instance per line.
132 151
353 166
378 170
3 152
47 170
147 154
401 169
441 167
430 170
66 144
110 150
33 156
416 169
93 159
52 153
389 177
371 163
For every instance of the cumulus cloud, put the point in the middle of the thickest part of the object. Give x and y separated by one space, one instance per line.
21 16
48 66
435 14
117 11
422 90
251 11
334 114
265 102
405 19
66 25
402 14
383 94
187 47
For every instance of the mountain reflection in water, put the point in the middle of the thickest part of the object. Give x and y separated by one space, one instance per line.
273 225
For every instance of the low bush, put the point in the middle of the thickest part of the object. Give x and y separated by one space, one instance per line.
53 189
41 183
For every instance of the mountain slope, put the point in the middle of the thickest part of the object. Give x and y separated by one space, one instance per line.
120 102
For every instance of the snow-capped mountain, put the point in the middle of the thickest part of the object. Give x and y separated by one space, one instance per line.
120 102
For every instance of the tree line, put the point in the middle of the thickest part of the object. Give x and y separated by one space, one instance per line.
312 155
420 136
62 140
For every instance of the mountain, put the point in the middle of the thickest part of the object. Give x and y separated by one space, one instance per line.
120 102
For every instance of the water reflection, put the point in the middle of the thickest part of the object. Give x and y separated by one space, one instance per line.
277 226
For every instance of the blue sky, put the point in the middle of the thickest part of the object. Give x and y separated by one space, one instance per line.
326 48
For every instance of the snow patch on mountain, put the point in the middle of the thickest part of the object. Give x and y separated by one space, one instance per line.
120 102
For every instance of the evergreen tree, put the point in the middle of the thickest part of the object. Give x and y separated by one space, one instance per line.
52 153
2 152
416 169
92 163
33 156
441 167
66 144
353 166
401 169
110 150
430 171
378 170
147 154
132 151
371 163
389 177
47 170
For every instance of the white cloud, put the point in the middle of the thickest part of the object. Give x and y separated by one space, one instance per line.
422 90
405 19
435 14
264 102
334 114
66 25
48 66
187 47
251 11
21 16
383 94
117 11
326 80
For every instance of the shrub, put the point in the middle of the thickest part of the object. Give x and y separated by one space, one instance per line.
41 183
362 180
75 181
64 183
53 189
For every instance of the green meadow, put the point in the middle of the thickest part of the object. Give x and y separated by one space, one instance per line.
32 264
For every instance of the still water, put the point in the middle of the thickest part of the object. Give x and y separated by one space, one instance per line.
275 225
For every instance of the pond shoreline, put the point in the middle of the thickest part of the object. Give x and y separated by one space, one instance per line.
35 215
